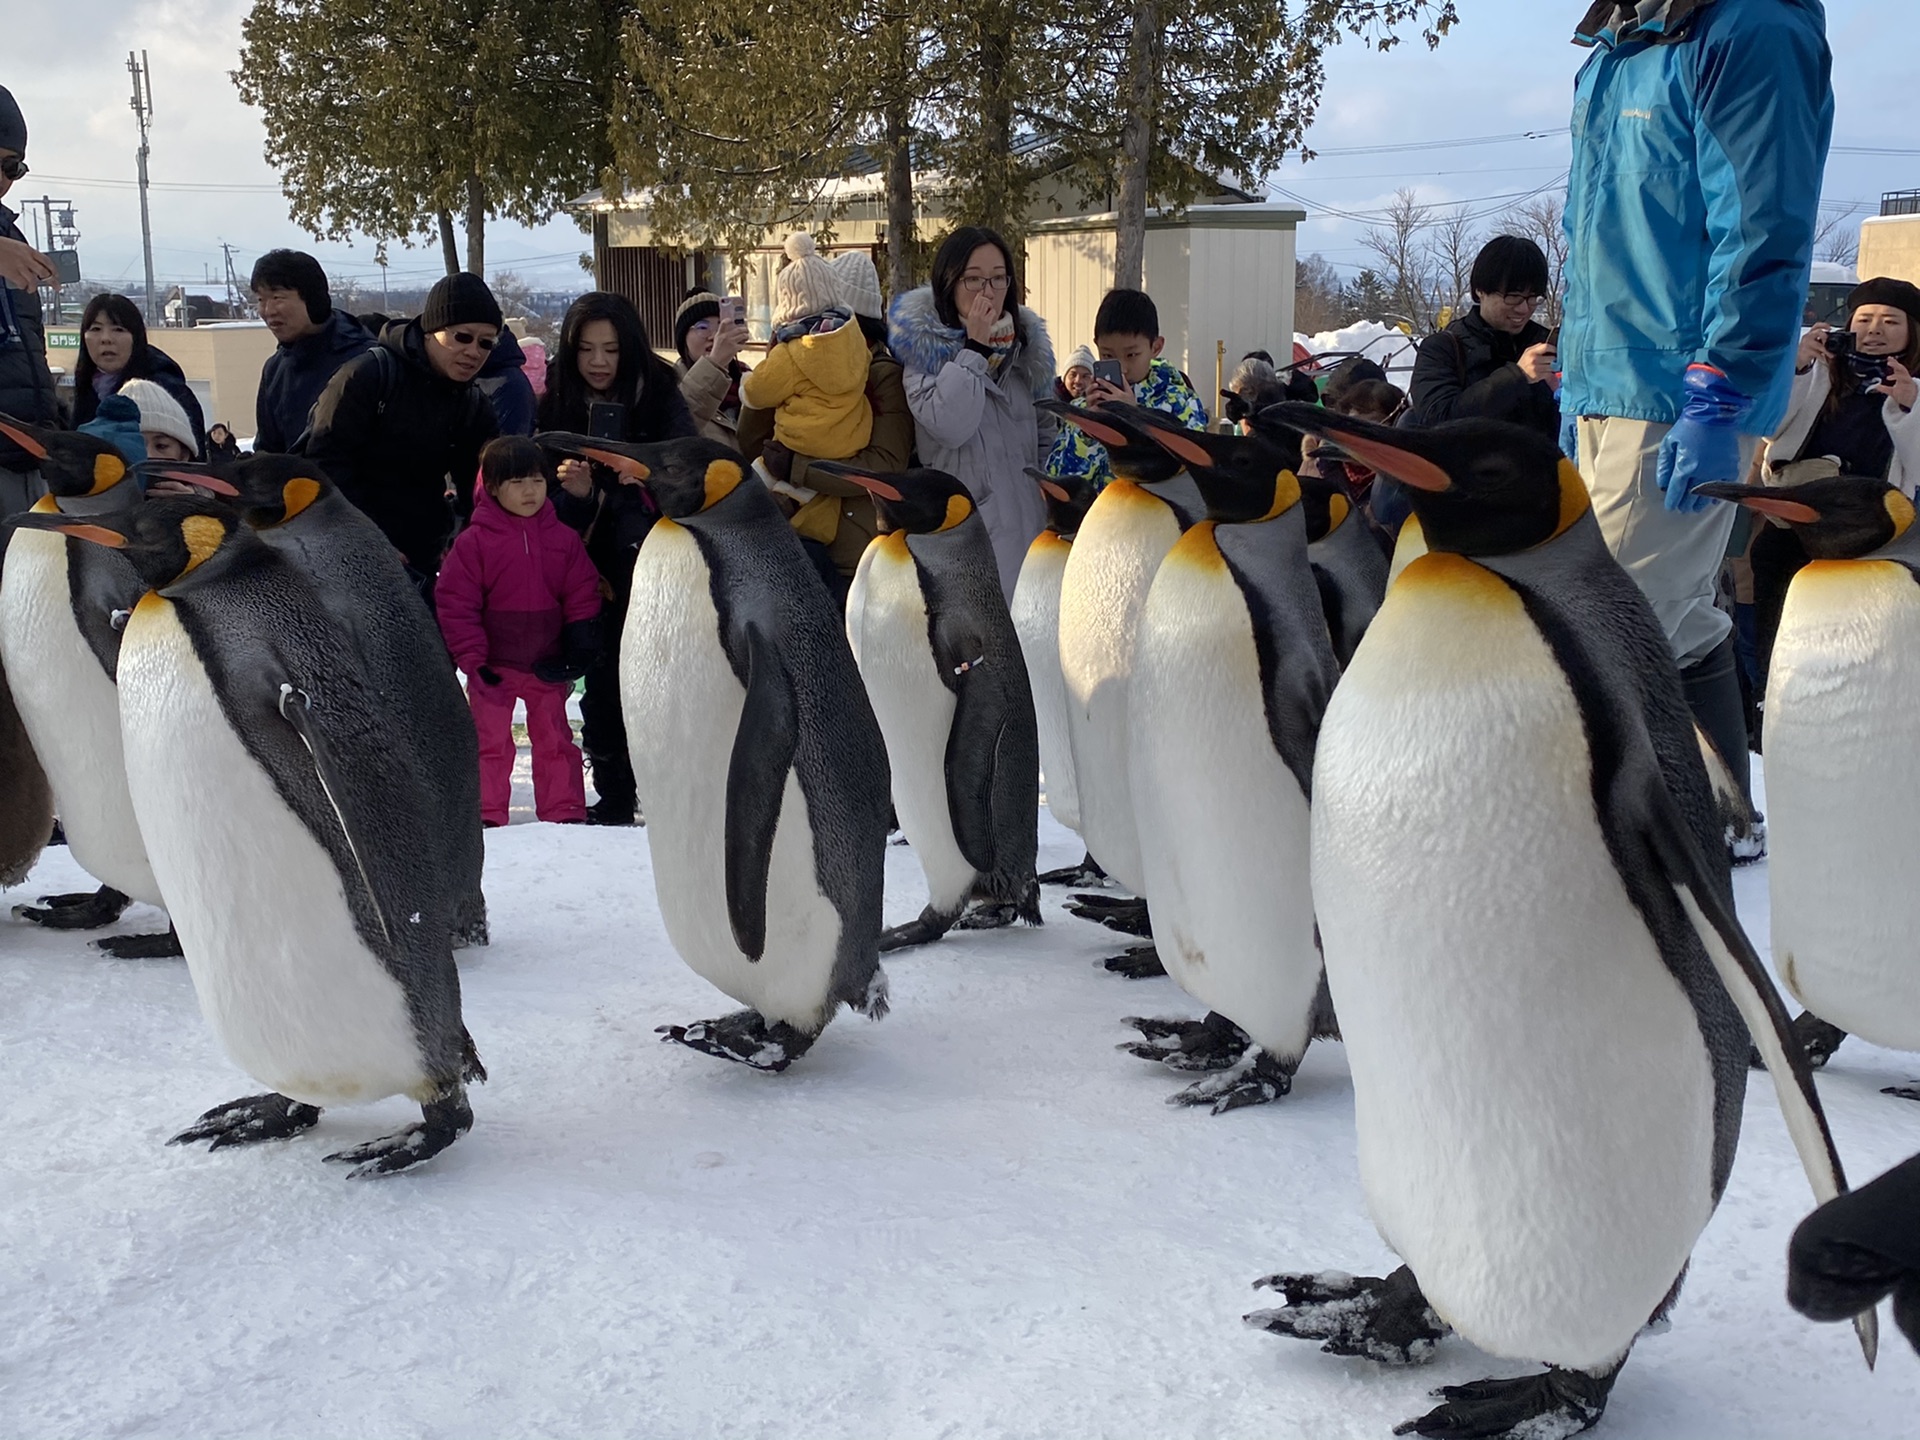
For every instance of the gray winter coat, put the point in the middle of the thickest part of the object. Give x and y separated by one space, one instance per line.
981 429
26 385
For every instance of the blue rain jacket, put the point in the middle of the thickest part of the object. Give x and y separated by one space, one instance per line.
1697 159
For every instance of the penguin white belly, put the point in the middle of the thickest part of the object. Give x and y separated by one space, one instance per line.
72 714
1408 546
857 601
295 996
1109 569
1223 825
1843 797
683 704
1533 1095
915 711
1036 620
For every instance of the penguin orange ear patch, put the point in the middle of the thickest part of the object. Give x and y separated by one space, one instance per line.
298 493
722 476
201 534
108 471
1900 511
958 509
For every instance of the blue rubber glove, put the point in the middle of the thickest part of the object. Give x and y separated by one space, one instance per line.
1570 437
1704 444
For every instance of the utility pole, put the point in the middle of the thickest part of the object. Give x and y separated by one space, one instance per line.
380 259
143 113
54 230
234 288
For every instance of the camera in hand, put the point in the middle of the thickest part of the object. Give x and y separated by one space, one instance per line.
1867 370
1110 372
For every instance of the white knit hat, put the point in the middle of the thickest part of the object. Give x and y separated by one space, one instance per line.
1082 357
160 413
859 283
808 284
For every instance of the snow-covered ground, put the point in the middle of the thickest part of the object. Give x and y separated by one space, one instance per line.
973 1219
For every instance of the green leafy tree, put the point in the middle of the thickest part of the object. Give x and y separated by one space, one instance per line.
391 119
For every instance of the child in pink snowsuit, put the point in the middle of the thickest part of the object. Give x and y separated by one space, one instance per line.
519 605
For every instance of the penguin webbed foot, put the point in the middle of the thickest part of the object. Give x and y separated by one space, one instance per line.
1903 1092
1087 872
1125 914
249 1120
472 931
1817 1037
442 1122
1257 1079
1549 1406
927 928
1141 962
1386 1320
1212 1043
163 945
84 911
743 1037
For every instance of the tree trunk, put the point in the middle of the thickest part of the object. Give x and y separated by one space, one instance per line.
449 250
901 239
996 125
477 225
1136 148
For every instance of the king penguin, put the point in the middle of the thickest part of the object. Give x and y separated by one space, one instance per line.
930 631
61 605
1036 620
286 829
760 764
1843 779
26 800
1128 531
1349 566
290 504
1232 670
1524 897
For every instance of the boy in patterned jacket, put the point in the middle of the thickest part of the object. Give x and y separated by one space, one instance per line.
1126 329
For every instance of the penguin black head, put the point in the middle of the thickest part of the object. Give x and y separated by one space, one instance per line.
1131 454
166 539
1069 497
268 490
1479 487
683 476
920 502
1243 478
1326 503
1839 517
73 463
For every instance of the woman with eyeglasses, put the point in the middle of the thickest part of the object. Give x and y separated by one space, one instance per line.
1496 362
975 360
400 428
113 350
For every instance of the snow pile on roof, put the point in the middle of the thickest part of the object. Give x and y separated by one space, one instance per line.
1387 345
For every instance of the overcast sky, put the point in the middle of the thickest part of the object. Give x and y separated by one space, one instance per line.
1507 69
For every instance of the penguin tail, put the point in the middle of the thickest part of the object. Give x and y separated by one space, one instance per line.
1027 905
471 1070
1737 815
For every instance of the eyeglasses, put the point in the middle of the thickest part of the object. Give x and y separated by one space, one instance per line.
975 284
467 337
13 168
1517 298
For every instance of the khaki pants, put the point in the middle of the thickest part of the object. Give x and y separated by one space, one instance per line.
1674 558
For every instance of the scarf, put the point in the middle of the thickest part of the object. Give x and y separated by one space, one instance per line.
1000 342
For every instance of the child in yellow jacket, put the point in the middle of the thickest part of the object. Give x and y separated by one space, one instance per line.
814 378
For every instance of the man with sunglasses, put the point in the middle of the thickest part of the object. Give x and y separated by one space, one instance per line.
400 428
26 385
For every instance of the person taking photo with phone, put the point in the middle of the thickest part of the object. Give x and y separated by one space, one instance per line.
1496 362
710 336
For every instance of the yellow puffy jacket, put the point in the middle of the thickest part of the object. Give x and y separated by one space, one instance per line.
817 385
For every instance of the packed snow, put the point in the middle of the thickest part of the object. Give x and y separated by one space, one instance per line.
972 1219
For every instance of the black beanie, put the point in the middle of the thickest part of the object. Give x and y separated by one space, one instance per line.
297 271
462 299
13 125
1885 290
699 305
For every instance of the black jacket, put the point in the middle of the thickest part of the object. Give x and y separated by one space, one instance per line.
1468 371
158 366
402 442
26 384
294 376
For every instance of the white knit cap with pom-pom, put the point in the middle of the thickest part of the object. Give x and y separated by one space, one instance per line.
807 284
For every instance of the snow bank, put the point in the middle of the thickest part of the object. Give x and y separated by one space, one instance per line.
1386 345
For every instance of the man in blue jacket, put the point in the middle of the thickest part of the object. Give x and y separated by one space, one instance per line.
1700 132
315 340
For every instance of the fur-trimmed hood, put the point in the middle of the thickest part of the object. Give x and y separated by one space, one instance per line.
922 344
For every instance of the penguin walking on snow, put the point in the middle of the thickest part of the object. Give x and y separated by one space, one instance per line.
930 631
1524 896
1843 782
1232 670
61 605
1036 620
1127 532
760 765
286 829
290 504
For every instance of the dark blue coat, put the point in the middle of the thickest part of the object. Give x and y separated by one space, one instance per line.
504 382
294 376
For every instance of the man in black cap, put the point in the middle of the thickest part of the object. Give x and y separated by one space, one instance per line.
315 340
26 385
400 428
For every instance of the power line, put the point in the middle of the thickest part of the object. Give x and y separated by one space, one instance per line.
1460 143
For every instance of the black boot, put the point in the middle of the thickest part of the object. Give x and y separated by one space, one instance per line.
1712 686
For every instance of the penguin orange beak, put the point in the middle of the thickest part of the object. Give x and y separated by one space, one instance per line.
25 441
619 464
873 485
1402 465
1184 449
1105 434
98 534
1055 492
204 481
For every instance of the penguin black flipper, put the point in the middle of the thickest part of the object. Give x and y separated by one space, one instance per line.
763 751
975 741
296 708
